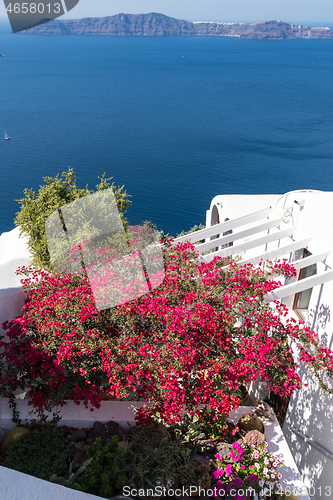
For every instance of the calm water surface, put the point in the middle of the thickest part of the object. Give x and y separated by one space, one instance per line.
176 120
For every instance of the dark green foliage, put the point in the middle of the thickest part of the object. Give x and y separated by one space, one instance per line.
105 474
156 457
72 477
42 453
214 425
199 430
57 191
190 431
165 236
192 230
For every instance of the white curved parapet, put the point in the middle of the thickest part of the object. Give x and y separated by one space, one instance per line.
14 253
13 246
8 277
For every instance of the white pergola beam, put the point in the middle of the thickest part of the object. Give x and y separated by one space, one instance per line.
277 252
308 261
224 226
223 240
299 286
247 245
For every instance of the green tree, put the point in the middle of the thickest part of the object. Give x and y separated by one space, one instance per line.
56 192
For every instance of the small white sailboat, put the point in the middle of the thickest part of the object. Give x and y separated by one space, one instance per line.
7 137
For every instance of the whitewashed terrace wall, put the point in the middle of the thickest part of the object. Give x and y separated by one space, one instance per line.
73 415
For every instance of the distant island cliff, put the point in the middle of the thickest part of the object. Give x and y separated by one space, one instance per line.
160 25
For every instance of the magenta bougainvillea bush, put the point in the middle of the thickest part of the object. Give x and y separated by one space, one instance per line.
192 340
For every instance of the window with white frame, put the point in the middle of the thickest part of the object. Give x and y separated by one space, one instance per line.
302 299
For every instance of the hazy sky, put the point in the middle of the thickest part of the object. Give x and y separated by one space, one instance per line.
295 11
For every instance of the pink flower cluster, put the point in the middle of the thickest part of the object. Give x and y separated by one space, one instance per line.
247 473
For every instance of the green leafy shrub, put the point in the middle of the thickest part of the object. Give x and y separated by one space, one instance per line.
203 428
105 473
41 453
57 191
214 425
190 431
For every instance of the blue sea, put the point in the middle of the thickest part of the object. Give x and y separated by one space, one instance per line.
176 120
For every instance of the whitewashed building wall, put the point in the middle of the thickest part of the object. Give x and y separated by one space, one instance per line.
308 427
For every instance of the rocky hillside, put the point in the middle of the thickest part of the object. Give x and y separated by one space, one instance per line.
160 25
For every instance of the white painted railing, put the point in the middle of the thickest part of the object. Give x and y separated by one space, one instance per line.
223 240
299 286
266 220
278 252
248 245
311 259
251 242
